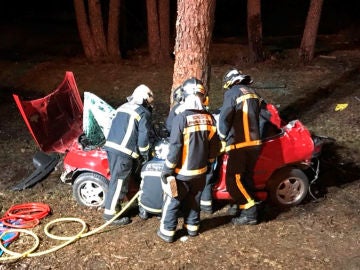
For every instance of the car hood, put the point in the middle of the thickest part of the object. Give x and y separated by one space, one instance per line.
55 120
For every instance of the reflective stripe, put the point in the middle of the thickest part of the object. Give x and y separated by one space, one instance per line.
144 149
115 198
191 172
250 201
121 149
163 217
207 203
154 210
245 97
246 122
198 128
130 111
242 144
193 228
247 205
222 136
150 173
169 164
166 232
185 150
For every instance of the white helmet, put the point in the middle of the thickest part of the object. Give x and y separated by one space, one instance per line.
141 94
193 86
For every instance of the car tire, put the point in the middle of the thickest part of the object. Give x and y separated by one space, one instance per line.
90 189
287 187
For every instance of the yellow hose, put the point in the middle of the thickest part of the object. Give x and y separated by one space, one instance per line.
68 239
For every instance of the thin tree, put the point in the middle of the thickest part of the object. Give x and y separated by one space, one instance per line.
194 25
158 22
307 47
90 22
254 29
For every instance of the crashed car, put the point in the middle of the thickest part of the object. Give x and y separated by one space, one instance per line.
61 123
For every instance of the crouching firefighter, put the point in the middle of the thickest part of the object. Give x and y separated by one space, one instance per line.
193 145
151 194
126 146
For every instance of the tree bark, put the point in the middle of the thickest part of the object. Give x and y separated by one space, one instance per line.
308 41
254 28
97 46
164 20
113 46
97 26
158 21
153 30
84 30
194 25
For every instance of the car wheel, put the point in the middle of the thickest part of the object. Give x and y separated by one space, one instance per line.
288 187
90 189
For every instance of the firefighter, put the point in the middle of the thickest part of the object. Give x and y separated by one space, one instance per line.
239 130
206 204
126 146
193 145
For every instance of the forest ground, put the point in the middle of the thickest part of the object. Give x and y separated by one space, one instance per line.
322 234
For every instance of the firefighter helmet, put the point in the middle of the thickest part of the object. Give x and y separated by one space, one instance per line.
141 94
193 86
234 76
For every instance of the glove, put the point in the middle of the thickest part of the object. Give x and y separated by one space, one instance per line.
144 158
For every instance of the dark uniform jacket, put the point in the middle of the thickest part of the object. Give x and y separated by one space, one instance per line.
151 193
239 118
193 143
128 135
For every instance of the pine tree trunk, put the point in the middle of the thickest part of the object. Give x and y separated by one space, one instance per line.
164 20
308 41
84 30
158 21
153 30
194 27
113 30
254 28
97 27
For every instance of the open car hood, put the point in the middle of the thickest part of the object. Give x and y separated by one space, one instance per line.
55 120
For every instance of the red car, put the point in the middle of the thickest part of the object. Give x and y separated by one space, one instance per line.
287 166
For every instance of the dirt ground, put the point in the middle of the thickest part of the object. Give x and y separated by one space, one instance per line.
321 234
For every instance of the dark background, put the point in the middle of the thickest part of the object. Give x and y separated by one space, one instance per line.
23 22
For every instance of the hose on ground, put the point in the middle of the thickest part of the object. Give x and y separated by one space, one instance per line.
68 239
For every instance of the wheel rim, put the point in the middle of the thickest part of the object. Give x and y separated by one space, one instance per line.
91 193
290 191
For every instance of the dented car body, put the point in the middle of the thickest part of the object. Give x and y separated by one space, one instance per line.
287 166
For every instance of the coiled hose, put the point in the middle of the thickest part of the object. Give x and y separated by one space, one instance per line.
68 239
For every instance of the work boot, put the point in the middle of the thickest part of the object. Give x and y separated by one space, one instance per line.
168 239
142 213
191 233
247 217
233 210
119 221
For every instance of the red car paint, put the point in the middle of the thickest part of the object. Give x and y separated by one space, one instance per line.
55 122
